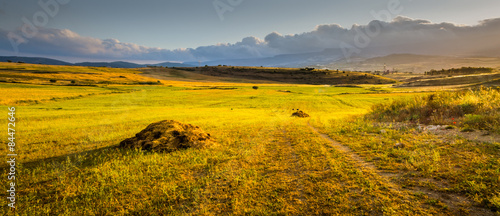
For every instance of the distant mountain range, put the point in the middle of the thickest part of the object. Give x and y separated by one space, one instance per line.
287 60
116 64
414 63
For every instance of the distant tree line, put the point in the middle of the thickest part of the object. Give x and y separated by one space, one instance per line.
460 71
307 69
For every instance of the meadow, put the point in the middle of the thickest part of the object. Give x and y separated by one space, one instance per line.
265 162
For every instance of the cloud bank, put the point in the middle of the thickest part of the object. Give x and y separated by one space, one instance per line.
401 35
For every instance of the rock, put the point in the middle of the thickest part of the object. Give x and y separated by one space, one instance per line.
399 145
168 136
432 128
421 127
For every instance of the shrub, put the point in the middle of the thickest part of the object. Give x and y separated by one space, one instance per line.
476 109
255 87
467 129
482 122
53 80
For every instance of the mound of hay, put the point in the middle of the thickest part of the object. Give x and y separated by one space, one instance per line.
300 114
168 136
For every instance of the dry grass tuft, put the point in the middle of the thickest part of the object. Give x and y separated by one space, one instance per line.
300 114
168 136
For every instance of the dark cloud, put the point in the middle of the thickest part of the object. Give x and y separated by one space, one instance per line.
402 34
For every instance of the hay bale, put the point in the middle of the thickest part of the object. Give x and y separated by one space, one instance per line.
168 136
300 114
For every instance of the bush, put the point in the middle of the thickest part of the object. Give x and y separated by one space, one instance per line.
53 80
255 87
475 109
482 122
73 82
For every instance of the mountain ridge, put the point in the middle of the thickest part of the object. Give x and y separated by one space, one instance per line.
114 64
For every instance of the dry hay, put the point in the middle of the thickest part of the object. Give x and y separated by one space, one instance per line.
300 114
168 136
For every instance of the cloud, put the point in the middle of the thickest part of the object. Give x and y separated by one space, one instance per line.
401 35
64 42
249 47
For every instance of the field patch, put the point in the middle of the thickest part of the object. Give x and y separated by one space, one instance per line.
71 75
21 94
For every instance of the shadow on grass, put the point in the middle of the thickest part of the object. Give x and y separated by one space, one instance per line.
80 159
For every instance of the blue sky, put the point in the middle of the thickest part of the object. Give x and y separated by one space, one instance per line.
194 23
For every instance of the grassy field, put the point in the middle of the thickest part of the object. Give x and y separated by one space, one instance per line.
277 75
265 161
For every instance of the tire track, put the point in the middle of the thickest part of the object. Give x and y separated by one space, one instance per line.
455 202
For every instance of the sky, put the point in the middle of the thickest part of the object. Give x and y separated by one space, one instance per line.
169 30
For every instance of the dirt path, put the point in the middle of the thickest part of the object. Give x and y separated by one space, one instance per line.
456 203
295 170
367 166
